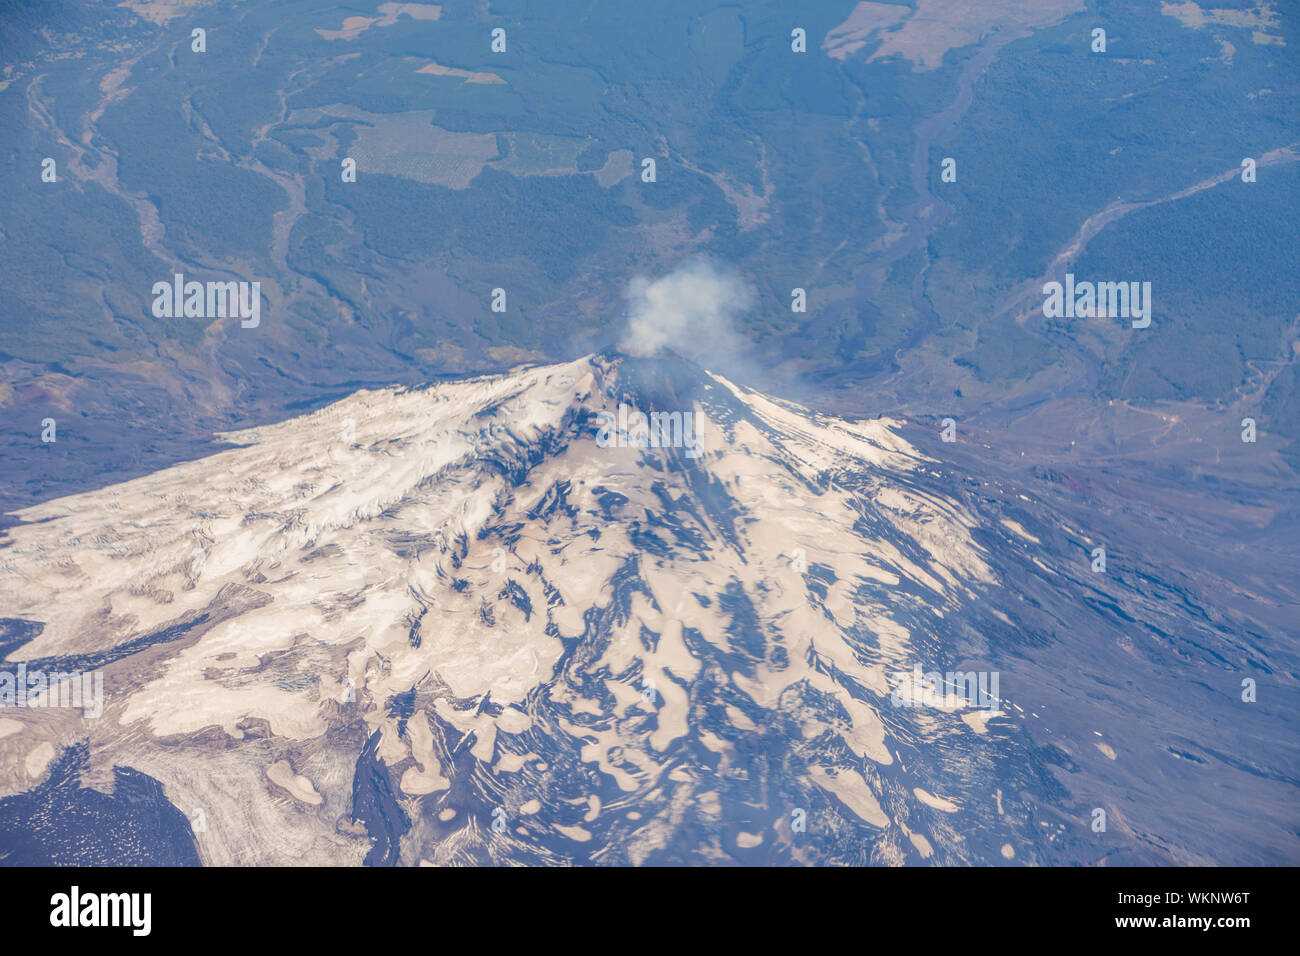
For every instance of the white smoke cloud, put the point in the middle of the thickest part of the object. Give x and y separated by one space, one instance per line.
691 310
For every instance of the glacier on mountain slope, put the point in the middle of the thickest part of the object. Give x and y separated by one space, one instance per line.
443 625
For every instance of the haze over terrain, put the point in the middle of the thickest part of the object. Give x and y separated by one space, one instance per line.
377 564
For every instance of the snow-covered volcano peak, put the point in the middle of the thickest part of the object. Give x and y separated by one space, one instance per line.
606 583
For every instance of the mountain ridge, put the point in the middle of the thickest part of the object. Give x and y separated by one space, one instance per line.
417 612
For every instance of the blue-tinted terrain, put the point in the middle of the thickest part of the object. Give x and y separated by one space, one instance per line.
371 579
62 823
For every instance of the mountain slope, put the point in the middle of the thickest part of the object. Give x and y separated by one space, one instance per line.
460 624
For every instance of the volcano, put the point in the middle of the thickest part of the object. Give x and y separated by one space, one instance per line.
449 625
